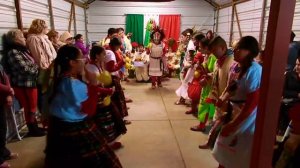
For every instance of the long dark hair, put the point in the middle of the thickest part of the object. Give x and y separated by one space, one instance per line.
77 37
160 31
204 42
62 64
248 43
95 51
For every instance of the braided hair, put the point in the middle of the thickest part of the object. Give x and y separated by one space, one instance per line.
62 64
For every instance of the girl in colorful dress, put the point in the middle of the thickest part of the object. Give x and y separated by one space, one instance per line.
180 53
205 110
73 140
157 62
187 73
234 144
114 61
107 117
194 88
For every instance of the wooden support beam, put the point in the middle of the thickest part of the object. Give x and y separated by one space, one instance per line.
278 38
86 28
237 20
70 18
262 23
51 14
217 20
231 25
90 1
74 19
235 2
19 14
212 3
76 2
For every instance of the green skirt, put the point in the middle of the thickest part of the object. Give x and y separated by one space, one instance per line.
205 108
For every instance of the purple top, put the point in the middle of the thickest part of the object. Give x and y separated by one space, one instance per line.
85 50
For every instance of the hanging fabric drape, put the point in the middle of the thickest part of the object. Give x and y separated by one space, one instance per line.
148 18
135 25
171 25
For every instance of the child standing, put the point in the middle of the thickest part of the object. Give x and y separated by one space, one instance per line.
73 140
157 57
194 88
220 78
187 72
205 110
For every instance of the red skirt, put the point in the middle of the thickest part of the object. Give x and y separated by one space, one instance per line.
194 91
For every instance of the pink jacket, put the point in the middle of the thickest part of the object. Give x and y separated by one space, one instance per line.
41 49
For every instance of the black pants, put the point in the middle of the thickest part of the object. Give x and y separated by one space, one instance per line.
4 152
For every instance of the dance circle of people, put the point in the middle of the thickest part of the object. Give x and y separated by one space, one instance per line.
77 90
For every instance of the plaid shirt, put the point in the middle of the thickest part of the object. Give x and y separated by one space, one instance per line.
22 70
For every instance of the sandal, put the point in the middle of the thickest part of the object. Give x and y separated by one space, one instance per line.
197 128
127 100
116 146
127 122
189 112
180 102
153 87
205 146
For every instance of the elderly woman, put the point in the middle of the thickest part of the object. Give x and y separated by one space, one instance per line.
53 36
39 45
23 73
43 54
66 38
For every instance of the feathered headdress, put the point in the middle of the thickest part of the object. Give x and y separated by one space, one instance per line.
159 30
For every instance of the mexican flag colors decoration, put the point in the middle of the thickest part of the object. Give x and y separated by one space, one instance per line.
141 27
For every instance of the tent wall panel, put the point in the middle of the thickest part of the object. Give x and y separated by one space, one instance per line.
61 14
7 18
34 9
224 23
103 15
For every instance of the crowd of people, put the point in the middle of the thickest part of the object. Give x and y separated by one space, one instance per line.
78 91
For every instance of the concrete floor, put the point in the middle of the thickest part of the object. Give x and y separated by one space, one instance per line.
159 136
